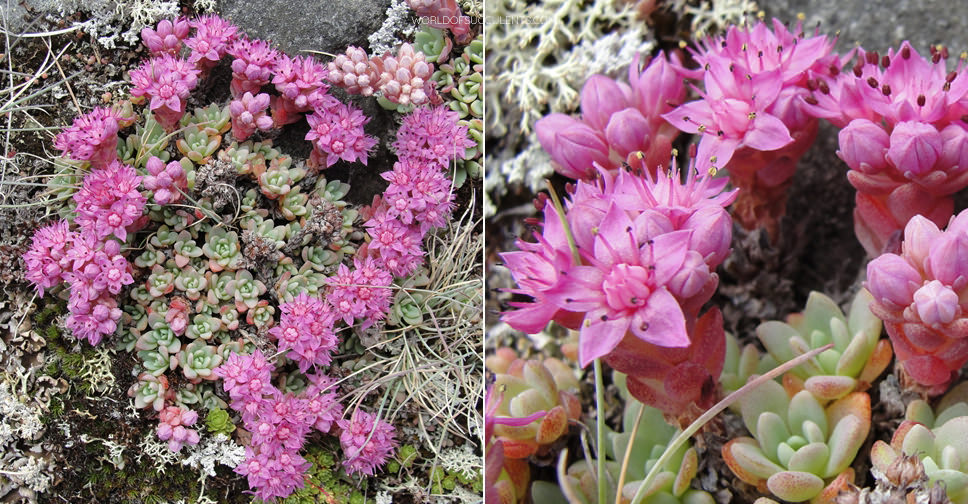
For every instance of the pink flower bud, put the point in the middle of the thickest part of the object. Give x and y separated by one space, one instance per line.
600 98
627 132
919 234
891 278
936 303
915 148
948 260
954 151
712 233
863 145
691 277
657 85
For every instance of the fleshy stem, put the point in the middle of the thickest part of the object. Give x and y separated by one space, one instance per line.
712 412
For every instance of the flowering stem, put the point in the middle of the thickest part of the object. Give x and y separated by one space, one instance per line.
628 454
715 410
600 428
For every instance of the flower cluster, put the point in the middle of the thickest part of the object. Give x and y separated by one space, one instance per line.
253 65
902 136
279 422
167 81
405 78
173 426
751 118
367 442
618 121
337 133
109 203
646 250
919 295
93 137
166 38
432 134
354 72
249 114
301 88
361 293
165 181
306 331
211 41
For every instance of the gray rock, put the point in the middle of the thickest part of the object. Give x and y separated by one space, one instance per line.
880 24
324 25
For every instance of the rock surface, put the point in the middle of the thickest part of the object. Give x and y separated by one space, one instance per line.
322 25
880 24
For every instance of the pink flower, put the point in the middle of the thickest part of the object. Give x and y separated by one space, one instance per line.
173 426
246 377
322 406
300 82
405 78
210 42
306 330
367 442
165 181
47 260
168 82
166 38
252 66
618 121
432 134
115 273
337 133
249 114
920 295
354 72
362 293
93 137
109 203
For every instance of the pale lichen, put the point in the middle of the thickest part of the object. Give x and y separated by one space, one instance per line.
396 25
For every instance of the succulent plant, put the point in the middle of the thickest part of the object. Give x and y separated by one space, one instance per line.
213 120
261 315
434 43
222 249
279 178
858 355
150 257
198 359
165 237
191 282
203 327
218 421
149 390
218 287
246 290
937 438
800 449
528 389
185 249
294 204
198 144
740 364
161 281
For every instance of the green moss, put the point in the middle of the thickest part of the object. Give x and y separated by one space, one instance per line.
407 454
393 466
325 482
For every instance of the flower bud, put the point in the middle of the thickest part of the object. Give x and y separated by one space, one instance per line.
891 278
691 277
919 234
601 97
579 149
712 232
863 145
936 303
954 150
915 148
948 260
627 132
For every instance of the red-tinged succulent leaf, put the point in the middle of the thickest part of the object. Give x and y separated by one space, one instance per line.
830 387
795 486
883 455
709 341
923 338
685 382
517 434
846 438
747 461
552 426
520 473
878 361
928 370
499 362
501 492
571 403
856 403
792 384
897 440
871 184
841 483
687 471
